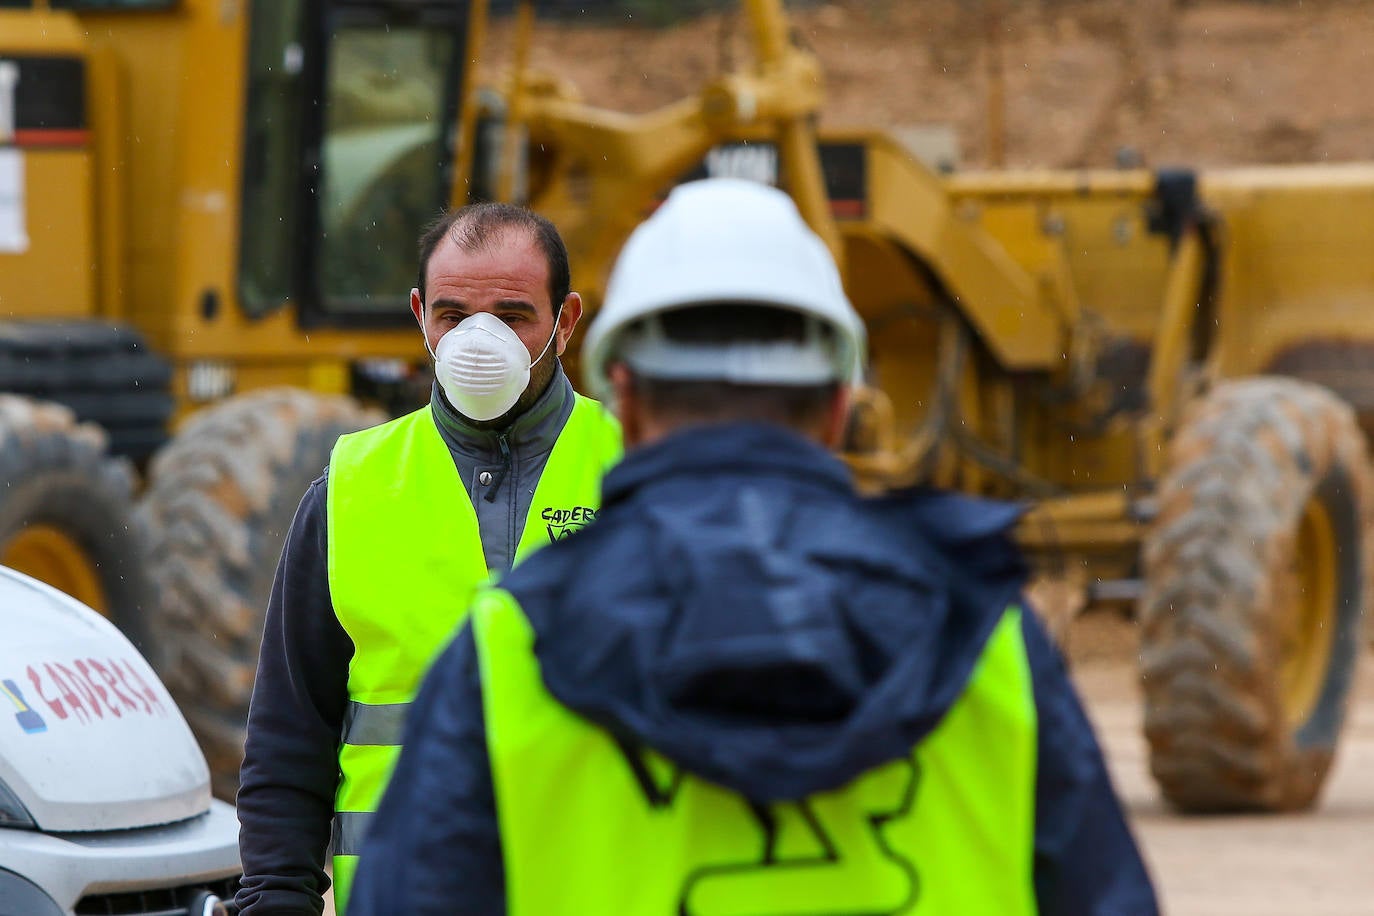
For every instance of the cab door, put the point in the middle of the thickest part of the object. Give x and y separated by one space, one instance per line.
350 142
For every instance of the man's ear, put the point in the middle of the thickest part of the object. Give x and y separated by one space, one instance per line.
627 406
567 320
837 417
417 307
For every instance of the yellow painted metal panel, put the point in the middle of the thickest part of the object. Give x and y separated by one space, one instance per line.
55 277
998 295
40 32
146 59
207 209
328 377
1114 266
1299 265
105 109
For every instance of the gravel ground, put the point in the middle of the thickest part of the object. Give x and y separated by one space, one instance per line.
1313 864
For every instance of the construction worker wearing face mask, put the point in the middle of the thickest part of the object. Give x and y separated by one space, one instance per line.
410 517
746 689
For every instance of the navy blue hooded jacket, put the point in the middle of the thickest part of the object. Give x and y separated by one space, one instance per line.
733 576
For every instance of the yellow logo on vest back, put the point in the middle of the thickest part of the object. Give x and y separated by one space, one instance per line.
825 855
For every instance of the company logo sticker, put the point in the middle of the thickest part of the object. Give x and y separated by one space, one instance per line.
563 522
29 720
82 692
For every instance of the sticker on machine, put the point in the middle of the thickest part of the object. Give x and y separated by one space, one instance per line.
81 692
14 238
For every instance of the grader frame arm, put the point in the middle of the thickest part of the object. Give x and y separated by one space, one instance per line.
606 169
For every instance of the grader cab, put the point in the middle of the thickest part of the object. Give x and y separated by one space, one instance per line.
1171 368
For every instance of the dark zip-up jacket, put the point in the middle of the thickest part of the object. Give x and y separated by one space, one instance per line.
739 541
290 768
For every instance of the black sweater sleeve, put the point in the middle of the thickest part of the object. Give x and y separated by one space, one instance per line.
1087 862
290 765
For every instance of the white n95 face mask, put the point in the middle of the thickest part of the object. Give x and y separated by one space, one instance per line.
483 367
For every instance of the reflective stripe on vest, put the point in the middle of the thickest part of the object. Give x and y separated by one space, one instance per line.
405 556
365 724
590 826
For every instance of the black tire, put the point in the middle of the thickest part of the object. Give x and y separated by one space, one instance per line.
67 514
220 499
105 373
1257 574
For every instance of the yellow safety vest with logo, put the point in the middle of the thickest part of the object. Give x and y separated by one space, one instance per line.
405 557
590 826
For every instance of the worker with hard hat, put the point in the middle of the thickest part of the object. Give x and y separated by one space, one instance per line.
410 517
744 688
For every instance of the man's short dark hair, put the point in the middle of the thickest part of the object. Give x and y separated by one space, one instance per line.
477 226
794 406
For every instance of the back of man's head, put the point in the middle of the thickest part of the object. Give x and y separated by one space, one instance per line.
725 306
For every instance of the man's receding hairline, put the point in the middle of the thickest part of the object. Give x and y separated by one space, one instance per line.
471 240
480 242
479 226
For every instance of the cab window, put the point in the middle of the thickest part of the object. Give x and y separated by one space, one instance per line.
347 152
273 165
384 170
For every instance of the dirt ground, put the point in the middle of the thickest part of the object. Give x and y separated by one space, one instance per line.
1200 83
1314 864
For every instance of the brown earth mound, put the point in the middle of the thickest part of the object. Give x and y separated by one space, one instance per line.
1203 83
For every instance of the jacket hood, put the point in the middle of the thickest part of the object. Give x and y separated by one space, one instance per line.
741 611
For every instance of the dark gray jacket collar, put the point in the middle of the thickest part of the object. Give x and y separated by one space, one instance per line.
532 433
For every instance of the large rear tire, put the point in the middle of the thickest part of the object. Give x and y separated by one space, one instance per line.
221 497
1257 573
66 512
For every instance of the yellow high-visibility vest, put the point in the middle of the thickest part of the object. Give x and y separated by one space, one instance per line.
405 558
588 826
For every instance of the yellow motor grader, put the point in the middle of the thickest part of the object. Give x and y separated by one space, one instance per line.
207 213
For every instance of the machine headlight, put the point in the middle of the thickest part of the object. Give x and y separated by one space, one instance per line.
209 380
13 814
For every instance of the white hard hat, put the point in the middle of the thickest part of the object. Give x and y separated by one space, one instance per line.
715 241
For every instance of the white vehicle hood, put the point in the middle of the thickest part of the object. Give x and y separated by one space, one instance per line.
89 737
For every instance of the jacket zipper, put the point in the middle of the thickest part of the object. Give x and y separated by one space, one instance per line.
502 471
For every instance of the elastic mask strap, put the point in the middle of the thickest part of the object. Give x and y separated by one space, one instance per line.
557 315
424 335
